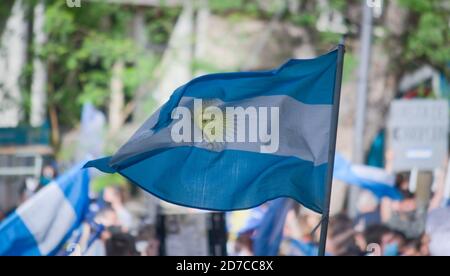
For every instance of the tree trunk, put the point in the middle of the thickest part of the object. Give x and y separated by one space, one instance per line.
13 50
39 82
117 100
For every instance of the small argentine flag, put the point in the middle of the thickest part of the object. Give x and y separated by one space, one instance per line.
373 179
46 220
235 140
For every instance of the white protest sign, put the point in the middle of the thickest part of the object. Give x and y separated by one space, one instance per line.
418 133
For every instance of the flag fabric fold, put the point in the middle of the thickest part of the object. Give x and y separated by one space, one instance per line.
40 225
232 174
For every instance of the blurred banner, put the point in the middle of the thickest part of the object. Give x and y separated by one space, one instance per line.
418 134
45 221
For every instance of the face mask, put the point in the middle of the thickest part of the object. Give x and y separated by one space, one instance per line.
391 249
45 180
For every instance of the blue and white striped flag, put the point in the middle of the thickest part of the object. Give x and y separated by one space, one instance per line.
235 140
40 225
373 179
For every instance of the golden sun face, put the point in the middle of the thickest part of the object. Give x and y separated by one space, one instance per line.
215 127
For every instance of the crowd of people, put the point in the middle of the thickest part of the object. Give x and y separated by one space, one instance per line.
381 227
110 229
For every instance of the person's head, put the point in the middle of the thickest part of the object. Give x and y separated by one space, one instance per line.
374 234
402 185
341 237
367 202
49 172
121 244
392 242
305 228
48 175
113 195
107 217
148 243
411 248
244 244
425 245
389 241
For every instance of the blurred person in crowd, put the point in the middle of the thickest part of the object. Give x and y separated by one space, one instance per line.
438 232
368 211
115 195
403 215
374 233
300 225
308 223
108 218
425 245
390 242
147 242
435 241
412 248
25 191
341 237
121 244
300 242
28 189
244 244
91 236
393 243
49 174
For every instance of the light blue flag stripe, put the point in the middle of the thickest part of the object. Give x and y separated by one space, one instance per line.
16 239
232 176
45 221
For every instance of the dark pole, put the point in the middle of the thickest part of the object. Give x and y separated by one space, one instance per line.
332 148
217 234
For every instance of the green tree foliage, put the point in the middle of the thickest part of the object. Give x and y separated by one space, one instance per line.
428 35
84 43
5 10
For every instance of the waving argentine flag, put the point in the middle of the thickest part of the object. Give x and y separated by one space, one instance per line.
45 221
235 140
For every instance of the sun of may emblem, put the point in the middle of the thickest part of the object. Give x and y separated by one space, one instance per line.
214 124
